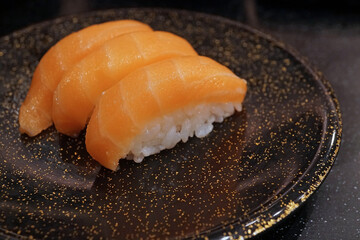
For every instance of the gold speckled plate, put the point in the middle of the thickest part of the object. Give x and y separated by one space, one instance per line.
253 170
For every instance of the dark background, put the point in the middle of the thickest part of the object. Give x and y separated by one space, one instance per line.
328 34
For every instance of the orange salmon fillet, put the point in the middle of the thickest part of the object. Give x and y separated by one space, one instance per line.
123 111
79 89
35 112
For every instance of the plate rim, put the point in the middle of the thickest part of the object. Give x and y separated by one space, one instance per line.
258 223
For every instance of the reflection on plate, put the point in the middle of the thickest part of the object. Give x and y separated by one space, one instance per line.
253 170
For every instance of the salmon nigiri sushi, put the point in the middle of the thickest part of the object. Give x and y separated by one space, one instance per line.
159 105
35 112
78 91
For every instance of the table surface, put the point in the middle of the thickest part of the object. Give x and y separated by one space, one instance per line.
327 34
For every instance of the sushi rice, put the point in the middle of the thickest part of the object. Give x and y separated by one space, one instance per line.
167 131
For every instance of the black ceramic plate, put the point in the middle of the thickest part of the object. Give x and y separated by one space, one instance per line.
253 170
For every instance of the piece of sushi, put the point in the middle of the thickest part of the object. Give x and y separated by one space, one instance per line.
159 105
35 112
77 93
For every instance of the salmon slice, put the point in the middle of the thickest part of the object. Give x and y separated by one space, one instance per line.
125 110
78 91
35 112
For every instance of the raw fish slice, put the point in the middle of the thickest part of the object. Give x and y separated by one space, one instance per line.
78 91
35 112
128 114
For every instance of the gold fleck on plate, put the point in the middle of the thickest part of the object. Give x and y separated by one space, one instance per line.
252 171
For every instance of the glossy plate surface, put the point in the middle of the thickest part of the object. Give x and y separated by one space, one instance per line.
253 170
